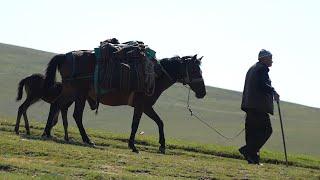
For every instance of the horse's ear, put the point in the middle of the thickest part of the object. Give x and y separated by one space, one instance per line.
200 58
194 57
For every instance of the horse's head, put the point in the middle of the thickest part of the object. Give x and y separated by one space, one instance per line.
190 73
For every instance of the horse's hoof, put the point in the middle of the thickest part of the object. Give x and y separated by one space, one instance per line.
28 133
162 150
66 139
133 148
17 132
91 144
46 136
93 107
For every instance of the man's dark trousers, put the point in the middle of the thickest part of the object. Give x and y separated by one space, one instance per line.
258 130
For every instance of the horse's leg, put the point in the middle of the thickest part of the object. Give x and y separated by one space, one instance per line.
23 109
64 114
54 110
77 115
134 127
55 119
92 103
26 122
154 116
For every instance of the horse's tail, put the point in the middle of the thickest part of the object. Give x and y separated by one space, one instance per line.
20 89
56 61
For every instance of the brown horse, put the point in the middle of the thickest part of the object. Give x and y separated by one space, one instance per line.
34 88
185 70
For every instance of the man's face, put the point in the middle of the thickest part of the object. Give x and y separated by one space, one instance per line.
267 61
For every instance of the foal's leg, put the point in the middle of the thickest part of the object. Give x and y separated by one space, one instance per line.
77 115
26 123
23 109
64 114
154 116
134 127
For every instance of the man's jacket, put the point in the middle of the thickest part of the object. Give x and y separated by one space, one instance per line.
258 92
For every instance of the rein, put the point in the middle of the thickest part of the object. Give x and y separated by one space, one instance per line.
208 125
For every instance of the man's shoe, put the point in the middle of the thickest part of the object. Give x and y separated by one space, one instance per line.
244 152
252 159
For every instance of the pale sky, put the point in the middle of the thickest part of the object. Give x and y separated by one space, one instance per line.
229 34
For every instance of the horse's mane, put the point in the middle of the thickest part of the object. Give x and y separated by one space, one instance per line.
181 59
174 58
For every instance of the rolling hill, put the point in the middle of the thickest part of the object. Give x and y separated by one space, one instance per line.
219 108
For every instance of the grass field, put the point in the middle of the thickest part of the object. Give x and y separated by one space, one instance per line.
219 108
25 157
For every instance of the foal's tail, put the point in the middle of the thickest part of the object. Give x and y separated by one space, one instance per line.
20 89
54 63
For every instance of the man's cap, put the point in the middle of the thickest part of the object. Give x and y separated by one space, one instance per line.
264 53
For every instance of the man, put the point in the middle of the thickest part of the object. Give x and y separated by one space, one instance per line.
257 102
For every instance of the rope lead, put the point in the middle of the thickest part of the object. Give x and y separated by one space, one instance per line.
208 125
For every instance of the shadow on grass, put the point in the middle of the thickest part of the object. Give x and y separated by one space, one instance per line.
60 141
7 168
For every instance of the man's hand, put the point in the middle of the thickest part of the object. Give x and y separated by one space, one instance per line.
276 96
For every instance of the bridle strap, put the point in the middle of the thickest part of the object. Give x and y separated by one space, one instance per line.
187 80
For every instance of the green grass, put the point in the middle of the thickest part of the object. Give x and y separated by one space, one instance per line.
220 108
31 156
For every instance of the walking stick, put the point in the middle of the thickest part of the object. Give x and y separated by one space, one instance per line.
284 142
